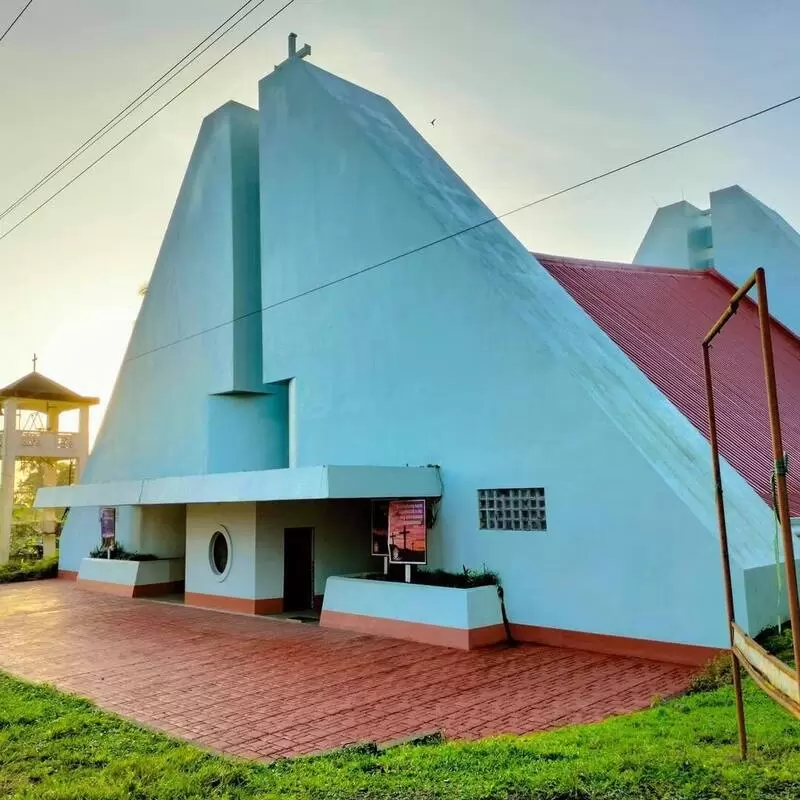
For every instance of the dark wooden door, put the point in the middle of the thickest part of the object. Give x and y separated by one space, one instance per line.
298 569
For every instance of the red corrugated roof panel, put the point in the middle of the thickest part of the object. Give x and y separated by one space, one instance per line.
659 317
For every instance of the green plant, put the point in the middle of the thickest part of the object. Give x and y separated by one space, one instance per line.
29 571
779 643
716 674
719 671
117 552
25 542
466 579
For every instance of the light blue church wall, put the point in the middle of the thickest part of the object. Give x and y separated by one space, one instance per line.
202 521
466 354
675 238
735 235
341 540
158 530
469 355
189 397
748 234
247 432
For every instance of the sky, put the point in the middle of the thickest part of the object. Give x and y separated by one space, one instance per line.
529 96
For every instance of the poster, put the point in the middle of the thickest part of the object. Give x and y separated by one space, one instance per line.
379 544
108 524
408 535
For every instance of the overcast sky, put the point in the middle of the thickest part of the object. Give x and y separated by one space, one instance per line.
529 96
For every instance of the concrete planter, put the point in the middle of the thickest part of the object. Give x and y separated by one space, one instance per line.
462 618
132 578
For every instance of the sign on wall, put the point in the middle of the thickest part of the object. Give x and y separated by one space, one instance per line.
379 544
108 525
408 533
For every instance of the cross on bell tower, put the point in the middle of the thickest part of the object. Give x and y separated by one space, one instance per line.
294 53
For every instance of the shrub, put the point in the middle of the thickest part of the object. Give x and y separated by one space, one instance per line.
29 571
119 553
719 672
715 674
466 579
26 542
779 643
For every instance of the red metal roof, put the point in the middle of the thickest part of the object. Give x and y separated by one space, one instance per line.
659 317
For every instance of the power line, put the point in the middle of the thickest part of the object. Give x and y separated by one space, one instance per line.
138 101
494 218
145 120
16 20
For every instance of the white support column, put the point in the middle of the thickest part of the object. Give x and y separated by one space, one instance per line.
82 442
292 421
49 478
8 474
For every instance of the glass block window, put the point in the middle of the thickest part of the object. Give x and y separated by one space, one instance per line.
511 510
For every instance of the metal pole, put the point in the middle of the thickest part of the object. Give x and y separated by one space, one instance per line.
733 306
779 463
723 541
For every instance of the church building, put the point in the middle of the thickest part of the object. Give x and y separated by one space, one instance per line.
336 319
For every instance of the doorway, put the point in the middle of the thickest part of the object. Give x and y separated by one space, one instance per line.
298 569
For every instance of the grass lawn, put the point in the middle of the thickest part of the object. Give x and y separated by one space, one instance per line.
56 746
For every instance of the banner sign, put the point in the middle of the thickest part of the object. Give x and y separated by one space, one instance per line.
379 545
408 533
108 524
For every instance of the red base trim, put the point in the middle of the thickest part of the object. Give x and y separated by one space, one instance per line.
118 589
125 590
156 589
459 638
268 605
68 575
241 605
691 655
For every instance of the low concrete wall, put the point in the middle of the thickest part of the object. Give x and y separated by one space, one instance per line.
765 605
132 578
462 618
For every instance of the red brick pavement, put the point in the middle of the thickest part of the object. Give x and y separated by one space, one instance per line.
264 688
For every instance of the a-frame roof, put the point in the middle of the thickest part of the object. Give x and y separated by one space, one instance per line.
659 316
35 386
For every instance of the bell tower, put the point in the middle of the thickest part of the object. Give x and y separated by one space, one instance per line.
31 410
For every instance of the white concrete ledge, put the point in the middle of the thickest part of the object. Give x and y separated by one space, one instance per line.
132 578
299 483
462 618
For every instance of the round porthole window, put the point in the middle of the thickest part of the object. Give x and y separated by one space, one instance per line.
219 553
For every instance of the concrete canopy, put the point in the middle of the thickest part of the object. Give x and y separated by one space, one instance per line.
302 483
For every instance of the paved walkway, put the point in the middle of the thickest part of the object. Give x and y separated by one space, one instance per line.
265 688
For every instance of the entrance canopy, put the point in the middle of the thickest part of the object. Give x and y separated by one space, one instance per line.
298 483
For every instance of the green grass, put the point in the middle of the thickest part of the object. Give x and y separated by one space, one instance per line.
56 746
29 570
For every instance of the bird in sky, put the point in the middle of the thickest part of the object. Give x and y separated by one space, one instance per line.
433 121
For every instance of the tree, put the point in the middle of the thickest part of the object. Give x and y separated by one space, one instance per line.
26 531
30 478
